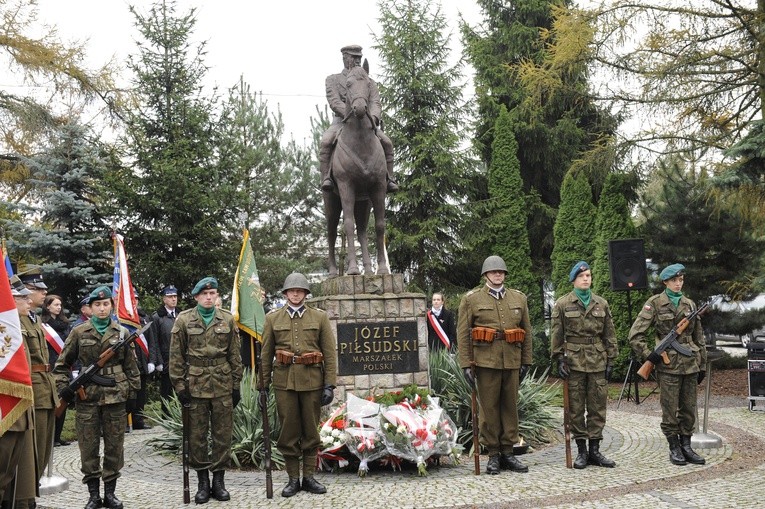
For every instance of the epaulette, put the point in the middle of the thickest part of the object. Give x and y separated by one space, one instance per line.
516 291
471 292
226 311
274 310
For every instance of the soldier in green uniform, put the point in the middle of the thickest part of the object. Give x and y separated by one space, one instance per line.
17 442
583 345
103 409
496 320
205 370
299 348
678 379
43 383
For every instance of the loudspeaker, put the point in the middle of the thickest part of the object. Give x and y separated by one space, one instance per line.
626 259
757 383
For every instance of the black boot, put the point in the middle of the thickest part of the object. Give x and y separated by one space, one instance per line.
293 486
675 453
311 485
582 457
94 502
203 488
110 499
510 462
596 458
219 488
492 467
688 453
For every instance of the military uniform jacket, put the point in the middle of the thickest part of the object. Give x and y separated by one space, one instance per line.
479 309
207 355
587 336
43 383
300 335
660 313
337 93
86 345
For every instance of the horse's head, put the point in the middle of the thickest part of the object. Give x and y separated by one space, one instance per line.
357 86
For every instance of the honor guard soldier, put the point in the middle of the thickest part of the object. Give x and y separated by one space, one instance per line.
299 348
206 370
583 344
43 383
496 320
678 379
101 409
17 448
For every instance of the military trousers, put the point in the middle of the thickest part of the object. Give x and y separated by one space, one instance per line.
45 427
11 448
299 414
498 415
588 398
678 403
27 486
90 423
211 417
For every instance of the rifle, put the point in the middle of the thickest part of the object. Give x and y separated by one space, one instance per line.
185 414
474 410
567 424
670 340
263 392
90 373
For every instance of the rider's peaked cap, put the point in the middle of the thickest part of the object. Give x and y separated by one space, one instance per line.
353 49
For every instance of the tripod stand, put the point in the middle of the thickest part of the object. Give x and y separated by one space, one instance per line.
632 377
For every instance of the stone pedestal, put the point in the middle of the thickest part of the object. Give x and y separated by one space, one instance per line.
381 332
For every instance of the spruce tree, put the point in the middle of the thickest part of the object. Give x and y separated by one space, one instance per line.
71 239
574 230
423 115
553 128
179 224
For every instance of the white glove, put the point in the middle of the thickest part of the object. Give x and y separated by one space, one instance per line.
160 368
150 368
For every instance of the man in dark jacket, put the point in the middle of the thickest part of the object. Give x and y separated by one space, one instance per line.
161 328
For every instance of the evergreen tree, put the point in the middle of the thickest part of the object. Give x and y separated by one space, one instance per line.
574 229
614 222
508 213
553 127
178 204
71 238
274 185
424 114
682 225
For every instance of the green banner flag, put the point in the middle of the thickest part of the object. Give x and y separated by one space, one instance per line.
246 303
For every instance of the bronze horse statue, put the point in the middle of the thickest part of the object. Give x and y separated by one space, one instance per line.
358 169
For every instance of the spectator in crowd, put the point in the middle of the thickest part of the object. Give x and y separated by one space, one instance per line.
56 328
442 331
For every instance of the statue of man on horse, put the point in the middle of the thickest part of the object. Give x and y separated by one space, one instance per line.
336 94
356 163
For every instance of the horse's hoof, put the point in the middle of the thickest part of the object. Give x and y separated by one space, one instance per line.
352 272
383 270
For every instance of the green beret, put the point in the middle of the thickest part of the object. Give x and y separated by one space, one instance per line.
206 283
576 269
100 293
670 271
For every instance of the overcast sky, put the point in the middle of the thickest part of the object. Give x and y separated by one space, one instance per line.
283 48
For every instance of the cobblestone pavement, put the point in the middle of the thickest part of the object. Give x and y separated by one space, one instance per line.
643 478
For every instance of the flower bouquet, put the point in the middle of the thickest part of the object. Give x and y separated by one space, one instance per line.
446 431
407 434
362 429
333 436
